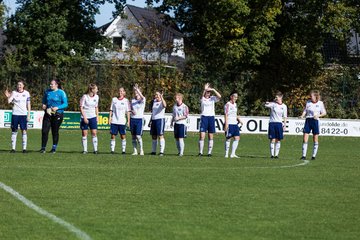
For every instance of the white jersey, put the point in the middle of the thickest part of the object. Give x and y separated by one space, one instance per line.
277 112
158 110
119 108
180 111
312 109
20 101
89 105
138 108
231 113
208 106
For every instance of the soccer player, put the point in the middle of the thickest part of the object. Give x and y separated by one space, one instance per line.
119 119
89 117
277 123
231 128
207 121
158 123
20 100
54 103
313 110
137 119
179 116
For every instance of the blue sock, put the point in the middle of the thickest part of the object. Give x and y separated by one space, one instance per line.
54 147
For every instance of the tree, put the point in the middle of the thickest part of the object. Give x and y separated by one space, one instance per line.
52 31
227 35
296 55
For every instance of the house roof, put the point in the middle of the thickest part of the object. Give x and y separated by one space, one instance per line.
149 18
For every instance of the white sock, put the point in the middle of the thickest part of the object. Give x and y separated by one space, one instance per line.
177 145
304 149
13 139
272 148
315 150
162 145
201 146
134 143
277 148
123 145
234 147
182 146
95 143
154 145
112 144
24 141
84 143
139 138
227 147
210 146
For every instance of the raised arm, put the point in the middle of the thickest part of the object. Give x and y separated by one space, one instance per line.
218 95
162 99
9 96
206 88
137 89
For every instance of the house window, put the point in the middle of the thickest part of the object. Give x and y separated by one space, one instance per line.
117 43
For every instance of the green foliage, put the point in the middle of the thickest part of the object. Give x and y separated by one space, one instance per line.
2 13
226 34
295 56
52 32
109 76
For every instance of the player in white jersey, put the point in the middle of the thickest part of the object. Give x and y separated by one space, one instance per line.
179 116
277 123
158 122
313 110
20 99
137 119
119 119
231 127
89 117
207 121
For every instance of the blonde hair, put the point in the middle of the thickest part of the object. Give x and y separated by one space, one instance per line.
179 95
316 93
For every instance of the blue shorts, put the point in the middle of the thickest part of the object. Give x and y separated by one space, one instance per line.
312 124
136 126
207 124
276 131
92 124
17 120
157 127
179 131
117 128
233 131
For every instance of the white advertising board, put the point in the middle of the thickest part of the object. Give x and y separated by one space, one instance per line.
252 125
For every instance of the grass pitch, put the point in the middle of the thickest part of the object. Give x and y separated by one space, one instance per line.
151 197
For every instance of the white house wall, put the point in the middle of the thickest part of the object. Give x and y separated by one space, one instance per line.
354 44
120 28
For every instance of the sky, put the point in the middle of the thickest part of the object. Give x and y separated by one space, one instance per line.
104 17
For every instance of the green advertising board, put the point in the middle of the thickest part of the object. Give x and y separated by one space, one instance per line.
72 121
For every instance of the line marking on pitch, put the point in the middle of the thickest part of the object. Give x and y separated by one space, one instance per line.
304 163
80 234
